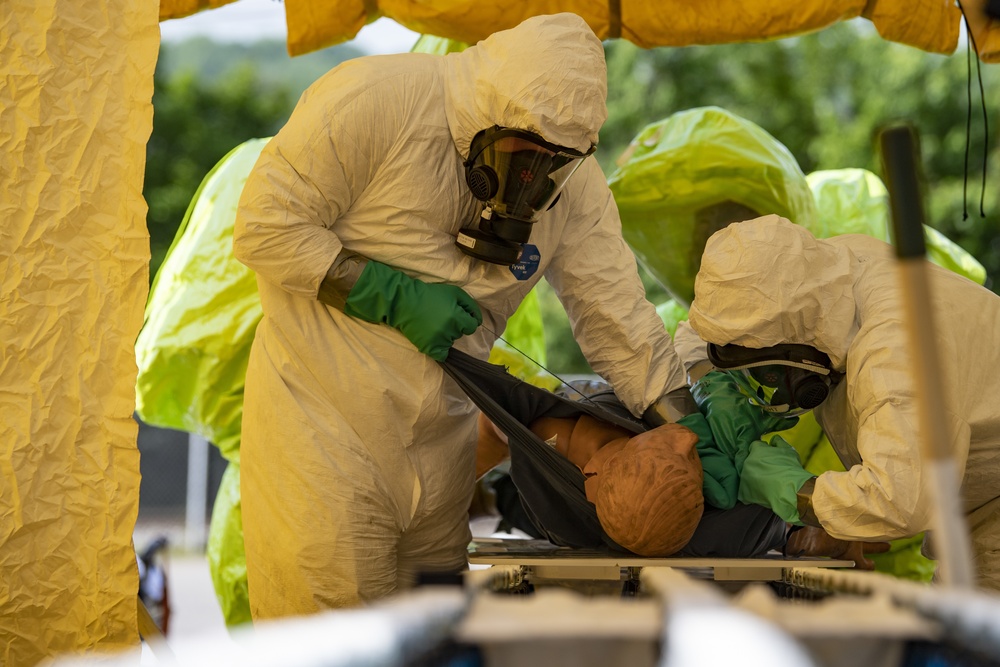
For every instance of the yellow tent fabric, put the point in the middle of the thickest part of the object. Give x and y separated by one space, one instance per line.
175 9
985 31
931 25
75 114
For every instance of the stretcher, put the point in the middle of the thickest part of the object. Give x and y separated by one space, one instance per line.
540 561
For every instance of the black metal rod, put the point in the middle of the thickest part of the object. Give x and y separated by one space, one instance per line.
900 164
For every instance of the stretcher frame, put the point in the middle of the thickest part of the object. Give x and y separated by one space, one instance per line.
540 560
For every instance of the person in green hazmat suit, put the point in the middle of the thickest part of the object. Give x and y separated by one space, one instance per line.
687 176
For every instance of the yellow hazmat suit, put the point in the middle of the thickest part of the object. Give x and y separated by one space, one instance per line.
767 281
358 452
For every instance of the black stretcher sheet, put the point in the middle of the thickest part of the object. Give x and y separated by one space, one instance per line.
552 489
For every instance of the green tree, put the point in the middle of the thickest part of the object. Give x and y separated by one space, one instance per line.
208 98
194 126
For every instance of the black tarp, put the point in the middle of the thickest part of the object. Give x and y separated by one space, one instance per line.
552 488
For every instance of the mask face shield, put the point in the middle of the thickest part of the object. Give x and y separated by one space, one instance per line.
785 380
518 174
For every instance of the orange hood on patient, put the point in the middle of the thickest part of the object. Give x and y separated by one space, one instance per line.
646 487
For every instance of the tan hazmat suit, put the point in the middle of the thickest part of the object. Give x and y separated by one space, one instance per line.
767 281
358 452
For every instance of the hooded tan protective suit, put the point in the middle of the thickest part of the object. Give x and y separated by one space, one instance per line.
358 452
767 281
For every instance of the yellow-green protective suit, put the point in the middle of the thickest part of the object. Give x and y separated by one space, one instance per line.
193 349
687 176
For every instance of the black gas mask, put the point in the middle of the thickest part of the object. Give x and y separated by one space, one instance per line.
519 175
785 380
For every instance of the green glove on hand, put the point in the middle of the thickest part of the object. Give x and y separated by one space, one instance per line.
771 476
432 316
735 421
720 482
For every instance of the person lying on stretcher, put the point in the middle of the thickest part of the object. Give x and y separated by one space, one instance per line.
648 488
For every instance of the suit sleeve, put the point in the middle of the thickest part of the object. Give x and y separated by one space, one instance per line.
308 176
595 275
885 496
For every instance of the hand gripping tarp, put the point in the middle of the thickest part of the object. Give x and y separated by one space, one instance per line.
552 488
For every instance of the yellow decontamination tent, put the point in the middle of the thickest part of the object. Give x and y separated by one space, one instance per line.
75 115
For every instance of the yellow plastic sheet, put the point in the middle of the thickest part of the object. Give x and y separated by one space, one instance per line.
173 9
931 25
193 352
75 115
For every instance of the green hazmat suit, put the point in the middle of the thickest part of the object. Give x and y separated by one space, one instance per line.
687 176
855 201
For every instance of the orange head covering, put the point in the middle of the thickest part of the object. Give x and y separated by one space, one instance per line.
648 493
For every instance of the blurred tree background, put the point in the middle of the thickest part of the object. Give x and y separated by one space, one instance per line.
823 95
208 98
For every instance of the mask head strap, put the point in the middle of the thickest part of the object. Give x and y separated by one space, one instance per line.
800 376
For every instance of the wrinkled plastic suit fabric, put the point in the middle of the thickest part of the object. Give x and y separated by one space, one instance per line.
75 115
677 167
855 201
202 311
192 354
931 25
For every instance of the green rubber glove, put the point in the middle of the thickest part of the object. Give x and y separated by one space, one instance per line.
771 475
432 316
720 482
735 421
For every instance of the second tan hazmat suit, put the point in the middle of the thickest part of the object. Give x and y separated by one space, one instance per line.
767 281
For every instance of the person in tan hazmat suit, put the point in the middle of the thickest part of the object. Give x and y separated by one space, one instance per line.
411 202
818 322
